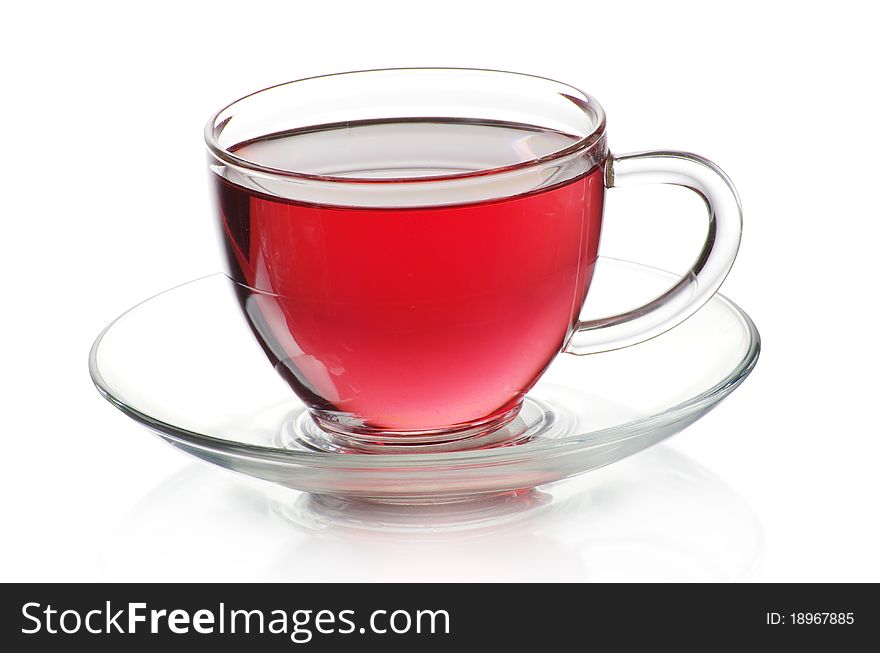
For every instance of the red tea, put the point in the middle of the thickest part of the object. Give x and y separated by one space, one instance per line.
411 319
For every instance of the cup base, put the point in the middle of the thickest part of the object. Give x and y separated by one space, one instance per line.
520 424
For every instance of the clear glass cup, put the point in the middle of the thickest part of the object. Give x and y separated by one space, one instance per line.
413 247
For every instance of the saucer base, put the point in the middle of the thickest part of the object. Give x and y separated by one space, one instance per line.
185 365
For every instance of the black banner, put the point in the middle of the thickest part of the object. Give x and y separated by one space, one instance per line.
286 617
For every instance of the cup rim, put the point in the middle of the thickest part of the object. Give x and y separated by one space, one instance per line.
584 143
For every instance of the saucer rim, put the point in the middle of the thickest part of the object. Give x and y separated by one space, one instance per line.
501 455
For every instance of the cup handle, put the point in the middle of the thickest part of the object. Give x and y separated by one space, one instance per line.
707 273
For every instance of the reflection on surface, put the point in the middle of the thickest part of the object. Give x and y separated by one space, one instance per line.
655 516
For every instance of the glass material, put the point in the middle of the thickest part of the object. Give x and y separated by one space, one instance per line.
185 365
413 247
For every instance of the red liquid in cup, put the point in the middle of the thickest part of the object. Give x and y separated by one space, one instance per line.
412 319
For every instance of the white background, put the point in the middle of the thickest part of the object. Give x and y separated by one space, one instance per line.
104 203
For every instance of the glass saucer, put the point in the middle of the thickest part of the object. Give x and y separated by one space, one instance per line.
186 365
